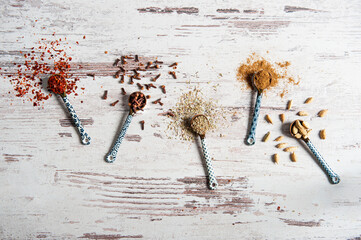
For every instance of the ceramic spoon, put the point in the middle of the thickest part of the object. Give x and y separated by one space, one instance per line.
212 182
137 102
251 136
330 173
53 81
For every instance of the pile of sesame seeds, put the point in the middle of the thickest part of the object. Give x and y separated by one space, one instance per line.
188 105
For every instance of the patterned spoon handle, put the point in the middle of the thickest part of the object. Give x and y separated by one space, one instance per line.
251 136
112 155
212 182
330 173
85 139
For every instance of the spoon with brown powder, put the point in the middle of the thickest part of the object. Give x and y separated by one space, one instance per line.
300 130
137 101
58 85
200 124
260 80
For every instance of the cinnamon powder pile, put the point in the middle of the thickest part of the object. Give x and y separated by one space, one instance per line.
255 63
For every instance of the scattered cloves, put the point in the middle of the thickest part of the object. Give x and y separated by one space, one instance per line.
105 96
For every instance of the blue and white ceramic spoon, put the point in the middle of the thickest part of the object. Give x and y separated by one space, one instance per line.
85 138
251 140
334 178
212 181
137 101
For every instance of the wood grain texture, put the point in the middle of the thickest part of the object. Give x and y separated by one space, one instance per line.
55 188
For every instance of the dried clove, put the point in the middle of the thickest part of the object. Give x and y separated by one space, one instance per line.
105 96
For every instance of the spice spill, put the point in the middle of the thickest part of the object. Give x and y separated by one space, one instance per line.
290 149
269 119
309 100
188 105
266 137
289 104
282 117
114 103
322 113
105 95
123 91
278 139
302 113
276 158
293 157
142 124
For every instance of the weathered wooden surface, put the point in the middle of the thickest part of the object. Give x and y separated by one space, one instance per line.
52 187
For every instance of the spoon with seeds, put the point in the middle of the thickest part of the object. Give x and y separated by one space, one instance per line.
57 84
300 130
260 80
137 101
200 124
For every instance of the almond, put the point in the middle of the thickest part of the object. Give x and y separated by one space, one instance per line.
294 130
282 118
309 100
323 134
269 119
279 138
281 145
266 137
290 149
302 113
322 113
289 104
306 124
276 158
293 157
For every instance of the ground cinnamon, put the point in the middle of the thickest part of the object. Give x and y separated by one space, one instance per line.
277 70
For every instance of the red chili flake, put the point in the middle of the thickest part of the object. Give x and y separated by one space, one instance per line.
148 96
173 64
84 37
105 96
106 52
278 208
114 103
57 84
77 42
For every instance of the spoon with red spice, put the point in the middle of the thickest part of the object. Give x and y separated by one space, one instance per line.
137 101
260 80
200 124
58 85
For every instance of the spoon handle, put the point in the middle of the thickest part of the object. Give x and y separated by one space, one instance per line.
330 173
212 182
251 136
85 139
112 155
